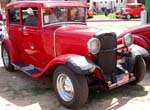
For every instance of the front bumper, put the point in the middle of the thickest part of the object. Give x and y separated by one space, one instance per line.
115 85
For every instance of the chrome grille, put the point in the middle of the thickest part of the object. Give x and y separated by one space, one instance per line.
106 58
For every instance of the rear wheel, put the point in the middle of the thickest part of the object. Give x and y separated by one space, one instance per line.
71 89
128 16
139 69
6 58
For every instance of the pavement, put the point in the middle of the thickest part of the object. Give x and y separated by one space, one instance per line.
114 25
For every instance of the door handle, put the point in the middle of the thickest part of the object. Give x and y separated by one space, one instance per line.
20 29
26 34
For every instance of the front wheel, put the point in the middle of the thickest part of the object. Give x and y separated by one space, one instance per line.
6 58
139 69
71 89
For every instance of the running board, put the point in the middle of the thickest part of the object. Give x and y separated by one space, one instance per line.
29 69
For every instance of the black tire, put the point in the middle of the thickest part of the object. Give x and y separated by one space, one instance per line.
79 84
117 17
139 69
8 66
128 16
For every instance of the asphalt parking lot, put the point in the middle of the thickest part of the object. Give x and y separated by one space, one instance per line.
20 92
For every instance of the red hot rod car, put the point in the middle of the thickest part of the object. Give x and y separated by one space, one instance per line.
52 37
131 10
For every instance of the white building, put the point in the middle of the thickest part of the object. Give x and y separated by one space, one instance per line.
109 4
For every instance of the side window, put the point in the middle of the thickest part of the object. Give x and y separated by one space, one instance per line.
30 16
14 16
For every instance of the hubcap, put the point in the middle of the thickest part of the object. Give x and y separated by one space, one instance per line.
128 16
5 57
65 87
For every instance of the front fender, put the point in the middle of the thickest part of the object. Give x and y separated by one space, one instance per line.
137 51
81 65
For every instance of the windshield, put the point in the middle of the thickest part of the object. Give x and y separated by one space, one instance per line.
63 14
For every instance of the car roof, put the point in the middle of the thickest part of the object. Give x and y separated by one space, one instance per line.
46 3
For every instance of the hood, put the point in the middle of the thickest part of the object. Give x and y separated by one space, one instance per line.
137 30
77 31
73 39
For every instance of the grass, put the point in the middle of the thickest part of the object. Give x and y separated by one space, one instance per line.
101 16
38 90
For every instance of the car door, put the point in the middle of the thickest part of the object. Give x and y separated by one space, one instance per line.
136 11
13 24
31 37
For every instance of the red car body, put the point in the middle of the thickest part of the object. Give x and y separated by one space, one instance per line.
52 37
141 37
131 10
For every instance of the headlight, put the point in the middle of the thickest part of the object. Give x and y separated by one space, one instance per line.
94 45
128 40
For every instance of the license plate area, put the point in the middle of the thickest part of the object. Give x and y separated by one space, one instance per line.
122 79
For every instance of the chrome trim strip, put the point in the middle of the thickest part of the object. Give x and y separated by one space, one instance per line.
60 23
55 54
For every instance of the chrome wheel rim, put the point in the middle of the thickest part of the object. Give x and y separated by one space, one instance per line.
128 16
65 87
5 57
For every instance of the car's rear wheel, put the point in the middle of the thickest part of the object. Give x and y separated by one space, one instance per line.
6 58
128 16
117 17
139 69
71 89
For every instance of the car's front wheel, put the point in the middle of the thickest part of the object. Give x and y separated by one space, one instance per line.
139 69
71 89
6 58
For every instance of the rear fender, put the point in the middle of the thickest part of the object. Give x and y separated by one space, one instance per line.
13 54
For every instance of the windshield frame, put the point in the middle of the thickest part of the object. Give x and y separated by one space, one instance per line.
64 22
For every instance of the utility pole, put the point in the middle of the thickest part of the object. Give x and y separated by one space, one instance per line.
147 5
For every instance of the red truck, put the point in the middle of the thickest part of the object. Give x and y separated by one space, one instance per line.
131 10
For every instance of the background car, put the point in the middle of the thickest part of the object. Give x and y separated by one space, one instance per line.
90 14
141 35
130 11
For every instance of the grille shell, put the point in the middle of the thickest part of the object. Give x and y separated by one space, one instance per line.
106 58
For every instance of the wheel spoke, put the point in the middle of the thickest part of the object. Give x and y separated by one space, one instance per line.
65 87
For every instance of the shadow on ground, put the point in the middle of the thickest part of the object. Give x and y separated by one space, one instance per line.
18 89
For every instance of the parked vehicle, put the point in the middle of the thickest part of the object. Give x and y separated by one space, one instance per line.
141 38
52 37
90 14
1 30
131 10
